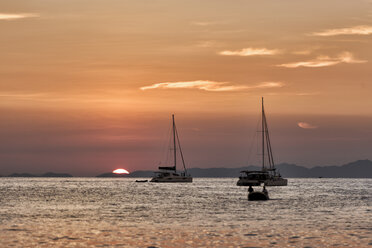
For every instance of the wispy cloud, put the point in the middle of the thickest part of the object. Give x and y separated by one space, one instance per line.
203 24
210 85
321 61
21 95
250 52
198 84
268 85
7 16
356 30
306 125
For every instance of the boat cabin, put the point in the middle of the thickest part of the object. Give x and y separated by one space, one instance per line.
254 175
252 178
166 174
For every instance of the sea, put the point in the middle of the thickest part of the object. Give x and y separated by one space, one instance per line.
210 212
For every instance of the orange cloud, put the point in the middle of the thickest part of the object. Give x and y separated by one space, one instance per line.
306 125
203 23
269 85
357 30
322 61
4 16
210 85
250 52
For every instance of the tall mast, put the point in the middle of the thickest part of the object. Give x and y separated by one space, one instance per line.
174 142
266 136
263 133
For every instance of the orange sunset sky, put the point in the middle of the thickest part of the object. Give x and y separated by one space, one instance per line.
88 86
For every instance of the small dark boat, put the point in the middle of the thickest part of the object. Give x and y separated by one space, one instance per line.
142 181
258 196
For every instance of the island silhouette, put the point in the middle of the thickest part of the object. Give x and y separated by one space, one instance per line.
356 169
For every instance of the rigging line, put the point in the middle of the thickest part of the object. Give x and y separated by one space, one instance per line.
271 158
174 144
179 145
270 153
267 144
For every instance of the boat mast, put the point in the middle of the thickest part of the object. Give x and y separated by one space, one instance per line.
263 134
174 143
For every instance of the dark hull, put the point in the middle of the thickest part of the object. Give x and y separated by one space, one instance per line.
246 182
257 196
142 181
171 180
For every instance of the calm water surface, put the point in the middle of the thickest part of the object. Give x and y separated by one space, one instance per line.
91 212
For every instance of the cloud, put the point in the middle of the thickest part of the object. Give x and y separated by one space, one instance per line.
203 24
21 95
269 85
5 16
357 30
249 52
198 84
306 125
321 61
210 85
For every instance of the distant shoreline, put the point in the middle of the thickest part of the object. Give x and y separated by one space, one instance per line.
357 169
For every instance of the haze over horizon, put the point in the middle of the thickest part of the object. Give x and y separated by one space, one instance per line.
89 86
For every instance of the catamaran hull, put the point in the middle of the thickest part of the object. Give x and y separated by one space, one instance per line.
247 182
172 180
276 182
268 182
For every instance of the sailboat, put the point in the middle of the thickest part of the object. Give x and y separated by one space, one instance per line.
268 174
169 174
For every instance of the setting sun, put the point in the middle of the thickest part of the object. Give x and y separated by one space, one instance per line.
120 171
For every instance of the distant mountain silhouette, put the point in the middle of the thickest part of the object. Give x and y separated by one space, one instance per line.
22 175
52 174
219 172
110 174
48 174
141 174
357 169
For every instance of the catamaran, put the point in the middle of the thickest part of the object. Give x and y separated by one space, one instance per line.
169 174
268 174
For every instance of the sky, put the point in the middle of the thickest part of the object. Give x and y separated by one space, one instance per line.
88 86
